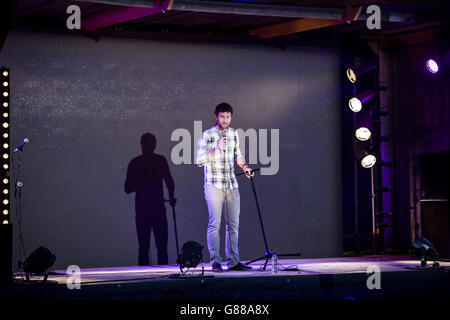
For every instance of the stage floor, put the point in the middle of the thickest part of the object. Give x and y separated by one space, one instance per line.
330 278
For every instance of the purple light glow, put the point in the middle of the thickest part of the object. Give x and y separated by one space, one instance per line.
432 66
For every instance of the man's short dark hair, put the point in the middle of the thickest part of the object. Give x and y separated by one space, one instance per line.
223 107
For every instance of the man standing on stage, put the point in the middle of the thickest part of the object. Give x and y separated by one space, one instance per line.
217 149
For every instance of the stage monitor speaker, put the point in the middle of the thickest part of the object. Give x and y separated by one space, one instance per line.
436 226
39 262
6 276
435 215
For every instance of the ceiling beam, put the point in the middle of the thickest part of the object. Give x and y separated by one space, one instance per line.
123 14
257 9
224 7
124 3
291 27
302 25
281 10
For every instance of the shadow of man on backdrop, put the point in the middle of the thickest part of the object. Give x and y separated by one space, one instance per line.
145 175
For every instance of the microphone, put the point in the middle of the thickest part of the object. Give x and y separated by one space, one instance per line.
20 146
224 135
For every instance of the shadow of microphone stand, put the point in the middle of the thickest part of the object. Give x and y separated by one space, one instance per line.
269 253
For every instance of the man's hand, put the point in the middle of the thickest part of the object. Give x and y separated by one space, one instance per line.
222 143
248 171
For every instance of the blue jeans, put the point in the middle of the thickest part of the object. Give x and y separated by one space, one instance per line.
228 202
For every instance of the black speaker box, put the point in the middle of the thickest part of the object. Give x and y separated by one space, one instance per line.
6 276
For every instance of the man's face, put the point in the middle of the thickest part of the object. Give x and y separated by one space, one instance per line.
223 120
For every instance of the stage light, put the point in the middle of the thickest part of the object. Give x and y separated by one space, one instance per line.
5 191
425 249
5 135
5 94
364 127
364 155
190 254
5 114
5 104
5 166
368 161
5 125
5 73
5 201
39 262
5 156
5 146
432 66
355 103
359 69
5 84
5 181
5 221
363 134
351 76
5 212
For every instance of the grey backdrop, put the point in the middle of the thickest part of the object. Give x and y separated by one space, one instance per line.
85 104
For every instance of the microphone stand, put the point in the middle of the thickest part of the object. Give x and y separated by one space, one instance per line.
269 253
176 234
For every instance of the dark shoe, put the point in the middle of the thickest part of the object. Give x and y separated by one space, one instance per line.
240 267
216 267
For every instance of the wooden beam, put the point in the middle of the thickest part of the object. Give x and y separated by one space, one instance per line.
302 25
123 14
290 27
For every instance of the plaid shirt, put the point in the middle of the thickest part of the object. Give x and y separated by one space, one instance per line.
219 171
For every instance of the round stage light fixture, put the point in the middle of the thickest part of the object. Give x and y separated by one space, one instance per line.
39 261
351 75
432 66
364 154
5 212
5 201
363 134
5 84
5 104
5 125
368 161
5 191
364 127
5 221
5 166
5 181
5 114
190 254
360 68
425 250
5 135
5 73
5 156
355 104
5 146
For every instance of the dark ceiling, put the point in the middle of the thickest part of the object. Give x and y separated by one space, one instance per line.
248 21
